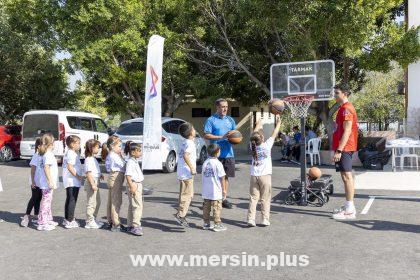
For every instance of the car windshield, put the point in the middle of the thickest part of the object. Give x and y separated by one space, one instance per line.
36 125
131 128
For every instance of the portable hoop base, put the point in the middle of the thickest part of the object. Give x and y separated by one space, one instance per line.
299 105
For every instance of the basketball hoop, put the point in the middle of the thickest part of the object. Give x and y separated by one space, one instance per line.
299 104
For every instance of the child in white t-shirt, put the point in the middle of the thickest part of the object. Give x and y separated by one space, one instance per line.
261 170
186 169
35 201
72 179
134 177
48 182
93 177
213 188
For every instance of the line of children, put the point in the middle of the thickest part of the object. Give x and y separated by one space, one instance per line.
44 179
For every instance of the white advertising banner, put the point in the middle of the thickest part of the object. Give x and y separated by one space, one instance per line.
152 129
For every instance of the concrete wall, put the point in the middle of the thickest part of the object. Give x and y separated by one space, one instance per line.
413 87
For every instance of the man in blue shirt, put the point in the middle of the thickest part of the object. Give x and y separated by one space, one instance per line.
216 130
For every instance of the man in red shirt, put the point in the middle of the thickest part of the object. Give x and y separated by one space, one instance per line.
344 145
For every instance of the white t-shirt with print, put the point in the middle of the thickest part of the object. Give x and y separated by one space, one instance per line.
114 163
92 165
36 161
263 165
48 159
133 169
211 186
183 171
71 157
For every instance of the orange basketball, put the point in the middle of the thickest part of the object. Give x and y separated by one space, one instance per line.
314 173
234 137
276 106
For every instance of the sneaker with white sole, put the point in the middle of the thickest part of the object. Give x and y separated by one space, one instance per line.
99 223
266 222
338 210
46 227
34 222
65 223
219 227
207 226
52 223
92 225
251 223
72 224
25 221
344 215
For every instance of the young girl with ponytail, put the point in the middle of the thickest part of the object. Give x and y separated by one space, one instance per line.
261 169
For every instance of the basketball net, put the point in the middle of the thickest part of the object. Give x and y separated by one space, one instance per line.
299 104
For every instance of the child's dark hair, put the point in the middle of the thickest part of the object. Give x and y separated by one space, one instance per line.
38 142
132 147
343 87
213 149
112 140
127 147
185 130
256 140
72 139
90 144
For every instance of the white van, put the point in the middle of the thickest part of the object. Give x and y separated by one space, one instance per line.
61 124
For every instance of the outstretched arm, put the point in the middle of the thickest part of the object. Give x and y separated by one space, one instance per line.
276 129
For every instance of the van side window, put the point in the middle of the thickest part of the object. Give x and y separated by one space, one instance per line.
86 124
73 122
100 126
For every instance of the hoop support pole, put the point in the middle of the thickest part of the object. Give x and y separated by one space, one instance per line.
303 200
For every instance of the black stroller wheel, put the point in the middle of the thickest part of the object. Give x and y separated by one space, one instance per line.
289 200
331 189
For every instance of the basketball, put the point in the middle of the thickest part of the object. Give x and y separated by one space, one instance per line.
234 137
276 106
314 173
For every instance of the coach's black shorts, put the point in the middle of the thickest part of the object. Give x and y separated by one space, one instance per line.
346 162
229 166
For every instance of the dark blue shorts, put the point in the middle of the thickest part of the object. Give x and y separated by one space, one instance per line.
346 162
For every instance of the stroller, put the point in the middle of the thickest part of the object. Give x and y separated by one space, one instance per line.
317 191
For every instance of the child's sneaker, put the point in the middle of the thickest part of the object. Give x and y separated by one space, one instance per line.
72 224
34 222
207 226
119 228
344 215
219 227
136 231
92 225
99 223
25 221
52 223
65 223
251 223
182 221
46 227
266 222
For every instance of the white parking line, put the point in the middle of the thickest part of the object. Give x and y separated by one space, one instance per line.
367 206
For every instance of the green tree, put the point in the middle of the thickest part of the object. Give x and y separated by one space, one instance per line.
29 76
378 101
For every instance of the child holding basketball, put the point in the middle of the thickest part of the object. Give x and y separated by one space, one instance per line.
213 188
261 169
186 170
134 177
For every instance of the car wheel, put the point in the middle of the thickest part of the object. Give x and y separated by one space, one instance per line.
6 154
170 163
203 156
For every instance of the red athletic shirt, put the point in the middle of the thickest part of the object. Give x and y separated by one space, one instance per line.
346 113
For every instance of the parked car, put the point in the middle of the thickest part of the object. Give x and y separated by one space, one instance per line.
10 136
61 124
171 140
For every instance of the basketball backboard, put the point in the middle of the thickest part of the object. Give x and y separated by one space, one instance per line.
303 78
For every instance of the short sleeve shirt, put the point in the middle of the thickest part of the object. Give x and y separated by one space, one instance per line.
183 171
211 186
48 159
262 165
133 170
219 126
92 165
71 157
114 163
347 112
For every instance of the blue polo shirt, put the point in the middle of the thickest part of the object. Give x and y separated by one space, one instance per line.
219 126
